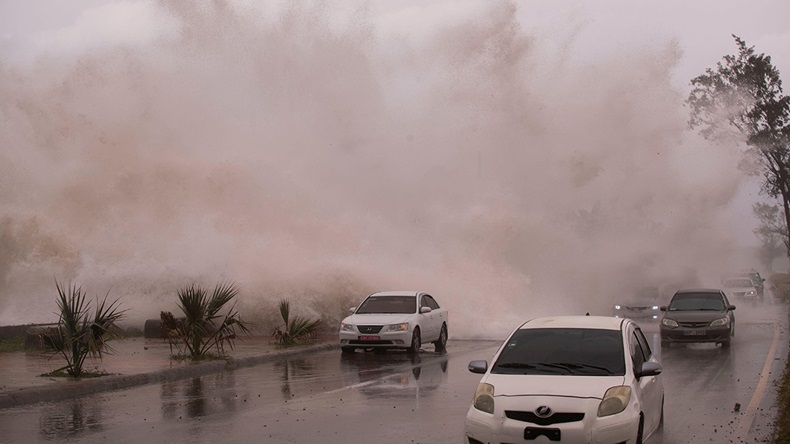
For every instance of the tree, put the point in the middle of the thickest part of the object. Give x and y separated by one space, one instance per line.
772 233
743 97
203 328
296 328
78 334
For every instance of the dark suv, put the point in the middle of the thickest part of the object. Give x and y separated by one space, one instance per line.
698 315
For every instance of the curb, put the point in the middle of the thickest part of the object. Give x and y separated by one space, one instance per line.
76 388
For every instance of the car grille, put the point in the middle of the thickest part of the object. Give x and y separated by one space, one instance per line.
556 418
693 324
367 329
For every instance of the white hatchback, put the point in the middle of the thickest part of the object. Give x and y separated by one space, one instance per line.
580 379
395 319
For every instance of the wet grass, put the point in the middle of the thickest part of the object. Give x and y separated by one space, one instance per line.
782 430
12 344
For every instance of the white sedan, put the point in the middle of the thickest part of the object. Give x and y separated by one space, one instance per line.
395 319
587 379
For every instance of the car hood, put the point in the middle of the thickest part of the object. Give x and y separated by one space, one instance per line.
695 316
552 385
377 319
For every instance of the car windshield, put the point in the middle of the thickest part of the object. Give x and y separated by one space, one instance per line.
697 302
562 351
737 283
388 304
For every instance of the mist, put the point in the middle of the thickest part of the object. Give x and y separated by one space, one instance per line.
318 154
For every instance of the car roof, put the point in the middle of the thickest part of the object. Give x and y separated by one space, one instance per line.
396 293
596 322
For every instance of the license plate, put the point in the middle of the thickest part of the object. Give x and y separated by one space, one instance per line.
369 338
694 332
532 433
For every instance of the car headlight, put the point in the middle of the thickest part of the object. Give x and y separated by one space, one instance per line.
614 401
397 327
616 307
669 322
750 293
484 398
346 327
655 307
720 322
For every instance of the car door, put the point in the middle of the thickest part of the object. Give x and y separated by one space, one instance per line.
651 387
430 321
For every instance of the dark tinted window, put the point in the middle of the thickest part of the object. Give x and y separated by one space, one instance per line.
644 344
430 302
697 301
388 304
562 351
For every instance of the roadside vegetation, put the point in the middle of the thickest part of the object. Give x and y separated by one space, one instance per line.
13 344
782 430
203 332
80 332
296 329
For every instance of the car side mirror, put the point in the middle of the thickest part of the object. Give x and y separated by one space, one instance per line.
731 307
425 309
352 310
663 308
648 369
478 366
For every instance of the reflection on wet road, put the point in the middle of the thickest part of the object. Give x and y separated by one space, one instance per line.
395 397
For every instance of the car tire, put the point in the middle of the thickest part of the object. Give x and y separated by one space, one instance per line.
441 343
347 350
726 344
415 345
665 345
661 418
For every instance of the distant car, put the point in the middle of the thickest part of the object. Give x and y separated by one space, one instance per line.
395 319
644 305
740 288
759 282
568 379
698 315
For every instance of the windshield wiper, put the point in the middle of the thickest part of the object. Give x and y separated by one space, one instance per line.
515 365
580 366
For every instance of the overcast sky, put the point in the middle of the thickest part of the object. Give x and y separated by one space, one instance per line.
701 29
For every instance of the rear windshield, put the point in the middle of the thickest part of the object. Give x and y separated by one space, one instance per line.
388 304
697 302
562 351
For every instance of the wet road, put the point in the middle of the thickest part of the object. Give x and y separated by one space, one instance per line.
392 397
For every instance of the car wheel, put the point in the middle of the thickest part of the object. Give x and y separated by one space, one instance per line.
347 350
665 345
441 343
726 344
415 341
661 418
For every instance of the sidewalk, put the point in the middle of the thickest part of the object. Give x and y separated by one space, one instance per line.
135 361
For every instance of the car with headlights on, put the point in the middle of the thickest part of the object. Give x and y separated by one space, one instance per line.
643 305
395 319
576 379
741 289
698 315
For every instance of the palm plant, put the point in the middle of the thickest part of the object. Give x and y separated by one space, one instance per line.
203 328
295 329
78 335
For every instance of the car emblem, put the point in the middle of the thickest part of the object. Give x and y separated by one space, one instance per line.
543 411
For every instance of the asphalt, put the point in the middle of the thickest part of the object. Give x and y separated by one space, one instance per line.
134 362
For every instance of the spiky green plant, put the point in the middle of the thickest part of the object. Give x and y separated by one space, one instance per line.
78 334
296 329
203 328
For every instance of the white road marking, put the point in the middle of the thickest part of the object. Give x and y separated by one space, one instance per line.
751 410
